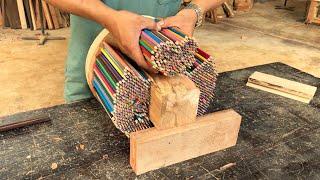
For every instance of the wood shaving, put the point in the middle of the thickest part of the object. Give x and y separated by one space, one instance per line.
54 166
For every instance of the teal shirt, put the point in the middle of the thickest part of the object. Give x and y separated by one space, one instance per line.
83 33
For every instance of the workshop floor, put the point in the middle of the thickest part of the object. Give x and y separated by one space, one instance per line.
32 76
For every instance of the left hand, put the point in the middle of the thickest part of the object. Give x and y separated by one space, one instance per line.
184 19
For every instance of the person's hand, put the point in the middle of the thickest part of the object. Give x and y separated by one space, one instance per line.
185 20
126 30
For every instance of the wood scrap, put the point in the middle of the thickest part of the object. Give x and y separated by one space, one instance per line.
287 88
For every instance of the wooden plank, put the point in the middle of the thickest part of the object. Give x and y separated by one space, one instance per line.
290 89
33 16
37 14
47 14
1 17
11 11
28 13
151 149
59 17
22 14
174 101
54 17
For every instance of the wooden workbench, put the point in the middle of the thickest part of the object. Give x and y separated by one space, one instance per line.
279 138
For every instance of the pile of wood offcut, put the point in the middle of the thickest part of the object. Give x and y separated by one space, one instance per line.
23 14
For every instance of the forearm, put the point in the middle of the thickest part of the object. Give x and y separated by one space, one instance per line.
91 9
205 5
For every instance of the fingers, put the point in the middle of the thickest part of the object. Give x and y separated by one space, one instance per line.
148 23
167 22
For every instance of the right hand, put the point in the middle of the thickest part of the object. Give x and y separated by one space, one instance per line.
126 31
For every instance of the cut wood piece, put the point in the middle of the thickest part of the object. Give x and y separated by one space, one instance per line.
54 17
151 149
47 15
33 16
290 89
22 14
174 101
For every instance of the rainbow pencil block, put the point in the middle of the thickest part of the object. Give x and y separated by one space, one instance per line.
204 75
168 51
123 89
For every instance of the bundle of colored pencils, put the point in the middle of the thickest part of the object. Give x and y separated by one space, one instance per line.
169 51
123 89
204 75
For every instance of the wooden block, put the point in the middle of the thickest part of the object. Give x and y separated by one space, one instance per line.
174 101
290 89
151 149
22 14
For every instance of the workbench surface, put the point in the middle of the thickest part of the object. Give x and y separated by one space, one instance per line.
279 138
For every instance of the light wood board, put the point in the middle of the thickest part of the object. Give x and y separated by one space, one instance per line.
33 17
47 15
151 149
287 88
22 14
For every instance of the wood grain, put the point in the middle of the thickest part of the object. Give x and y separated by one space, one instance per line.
283 87
151 149
174 101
